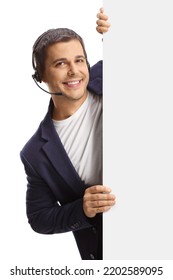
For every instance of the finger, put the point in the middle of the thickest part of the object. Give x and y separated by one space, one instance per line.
99 196
101 10
102 209
100 203
102 16
101 29
93 211
102 26
97 189
103 23
92 208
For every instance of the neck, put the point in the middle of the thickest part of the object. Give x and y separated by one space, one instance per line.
64 108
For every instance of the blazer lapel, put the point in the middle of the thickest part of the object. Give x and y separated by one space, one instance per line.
58 156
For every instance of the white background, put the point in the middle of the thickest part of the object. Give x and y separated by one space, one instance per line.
138 129
22 108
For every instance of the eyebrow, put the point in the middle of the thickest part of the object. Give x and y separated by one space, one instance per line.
65 59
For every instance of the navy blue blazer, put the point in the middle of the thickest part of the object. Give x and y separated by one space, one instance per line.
54 190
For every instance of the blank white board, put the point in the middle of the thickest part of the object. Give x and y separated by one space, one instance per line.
138 129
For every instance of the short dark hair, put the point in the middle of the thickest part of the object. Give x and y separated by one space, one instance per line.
48 38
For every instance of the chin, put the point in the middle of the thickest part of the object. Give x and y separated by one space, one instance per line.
76 94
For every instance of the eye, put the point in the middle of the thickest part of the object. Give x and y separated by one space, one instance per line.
80 60
60 64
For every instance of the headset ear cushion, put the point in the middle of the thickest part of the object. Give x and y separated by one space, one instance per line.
37 76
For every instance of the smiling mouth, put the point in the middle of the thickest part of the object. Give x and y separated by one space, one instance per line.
72 83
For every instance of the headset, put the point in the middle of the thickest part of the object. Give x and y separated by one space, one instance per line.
36 76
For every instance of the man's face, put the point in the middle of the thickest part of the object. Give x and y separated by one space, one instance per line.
66 69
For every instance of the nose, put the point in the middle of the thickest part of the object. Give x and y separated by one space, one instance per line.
72 69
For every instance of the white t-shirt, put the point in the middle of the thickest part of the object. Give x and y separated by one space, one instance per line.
81 136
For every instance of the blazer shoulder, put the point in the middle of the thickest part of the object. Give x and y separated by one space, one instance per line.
96 71
32 145
96 77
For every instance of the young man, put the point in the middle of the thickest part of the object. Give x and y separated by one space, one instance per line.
63 159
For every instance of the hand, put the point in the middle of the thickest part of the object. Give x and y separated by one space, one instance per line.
97 199
102 22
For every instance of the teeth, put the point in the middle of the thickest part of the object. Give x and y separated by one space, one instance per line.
73 83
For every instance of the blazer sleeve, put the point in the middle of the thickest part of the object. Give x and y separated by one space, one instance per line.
45 214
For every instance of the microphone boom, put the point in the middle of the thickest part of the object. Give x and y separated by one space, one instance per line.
54 93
